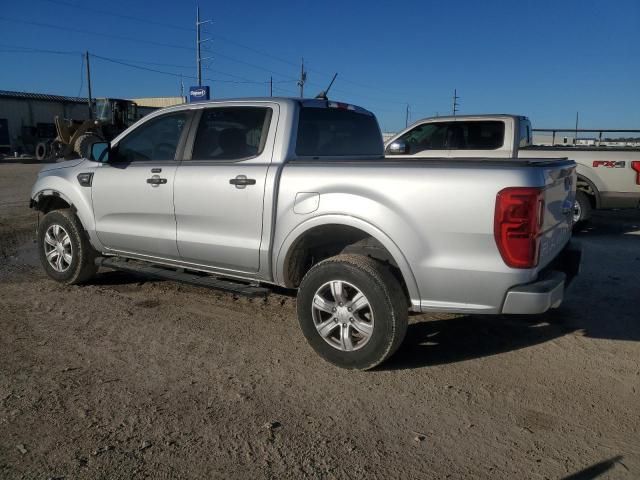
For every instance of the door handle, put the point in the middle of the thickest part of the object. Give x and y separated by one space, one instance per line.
241 181
156 170
156 180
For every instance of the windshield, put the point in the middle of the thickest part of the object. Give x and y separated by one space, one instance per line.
335 132
103 109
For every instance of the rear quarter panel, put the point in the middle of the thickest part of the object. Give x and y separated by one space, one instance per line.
605 178
438 215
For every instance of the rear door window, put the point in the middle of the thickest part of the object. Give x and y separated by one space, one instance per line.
231 133
475 135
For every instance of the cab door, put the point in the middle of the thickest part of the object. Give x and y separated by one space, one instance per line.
132 193
219 188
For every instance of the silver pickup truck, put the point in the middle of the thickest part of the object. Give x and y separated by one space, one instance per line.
246 194
608 177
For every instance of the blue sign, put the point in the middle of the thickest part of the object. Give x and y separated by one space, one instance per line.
198 94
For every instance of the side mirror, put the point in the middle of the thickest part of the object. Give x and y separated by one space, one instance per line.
398 147
100 152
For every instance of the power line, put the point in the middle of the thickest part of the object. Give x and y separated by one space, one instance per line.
102 34
184 47
174 74
83 7
132 39
221 37
138 64
19 49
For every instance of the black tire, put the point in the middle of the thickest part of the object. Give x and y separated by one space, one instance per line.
388 308
42 151
582 209
82 145
82 264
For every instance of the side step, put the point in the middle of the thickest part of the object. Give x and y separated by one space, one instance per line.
167 273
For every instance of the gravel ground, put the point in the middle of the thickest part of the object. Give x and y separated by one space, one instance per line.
127 378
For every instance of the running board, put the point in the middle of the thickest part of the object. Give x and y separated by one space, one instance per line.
167 273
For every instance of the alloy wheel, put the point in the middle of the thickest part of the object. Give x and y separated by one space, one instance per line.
342 315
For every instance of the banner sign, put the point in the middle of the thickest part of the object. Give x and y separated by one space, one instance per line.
198 94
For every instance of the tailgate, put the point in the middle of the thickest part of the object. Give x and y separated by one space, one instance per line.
559 197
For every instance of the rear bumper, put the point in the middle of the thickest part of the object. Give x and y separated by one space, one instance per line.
548 291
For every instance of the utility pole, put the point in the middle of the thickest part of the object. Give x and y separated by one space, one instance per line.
575 139
198 43
89 99
271 86
303 78
406 117
455 102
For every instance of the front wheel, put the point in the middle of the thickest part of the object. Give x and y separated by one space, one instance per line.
352 311
65 251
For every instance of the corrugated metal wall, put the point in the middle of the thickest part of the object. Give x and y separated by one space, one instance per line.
29 112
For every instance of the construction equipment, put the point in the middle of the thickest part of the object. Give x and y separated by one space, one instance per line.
74 138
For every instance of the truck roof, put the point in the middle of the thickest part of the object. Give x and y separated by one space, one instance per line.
285 101
483 116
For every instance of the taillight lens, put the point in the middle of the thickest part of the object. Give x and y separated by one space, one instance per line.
518 224
636 167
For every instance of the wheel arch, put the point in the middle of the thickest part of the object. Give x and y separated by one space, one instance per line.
369 240
588 187
49 199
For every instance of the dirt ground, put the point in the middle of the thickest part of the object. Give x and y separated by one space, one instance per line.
127 378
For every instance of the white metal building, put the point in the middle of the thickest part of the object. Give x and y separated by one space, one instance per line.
27 117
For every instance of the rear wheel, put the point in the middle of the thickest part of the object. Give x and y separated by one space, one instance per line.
582 208
65 252
352 311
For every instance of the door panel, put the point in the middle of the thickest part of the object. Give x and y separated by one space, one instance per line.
133 193
220 224
133 215
219 191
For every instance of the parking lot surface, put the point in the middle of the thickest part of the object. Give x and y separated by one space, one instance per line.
131 378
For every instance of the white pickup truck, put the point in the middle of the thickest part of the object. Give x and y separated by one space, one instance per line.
607 177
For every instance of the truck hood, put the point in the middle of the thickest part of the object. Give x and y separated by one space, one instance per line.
65 164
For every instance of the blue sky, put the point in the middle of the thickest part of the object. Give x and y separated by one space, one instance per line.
544 59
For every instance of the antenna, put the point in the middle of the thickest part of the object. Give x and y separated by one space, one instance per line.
323 94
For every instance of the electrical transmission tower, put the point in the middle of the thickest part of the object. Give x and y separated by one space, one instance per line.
455 105
303 78
198 43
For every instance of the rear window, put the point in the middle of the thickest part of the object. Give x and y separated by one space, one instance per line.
332 132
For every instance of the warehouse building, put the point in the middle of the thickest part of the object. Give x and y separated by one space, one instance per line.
27 118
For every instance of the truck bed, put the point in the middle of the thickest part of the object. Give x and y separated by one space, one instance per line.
443 162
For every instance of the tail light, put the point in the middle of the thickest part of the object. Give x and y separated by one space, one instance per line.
636 167
518 223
